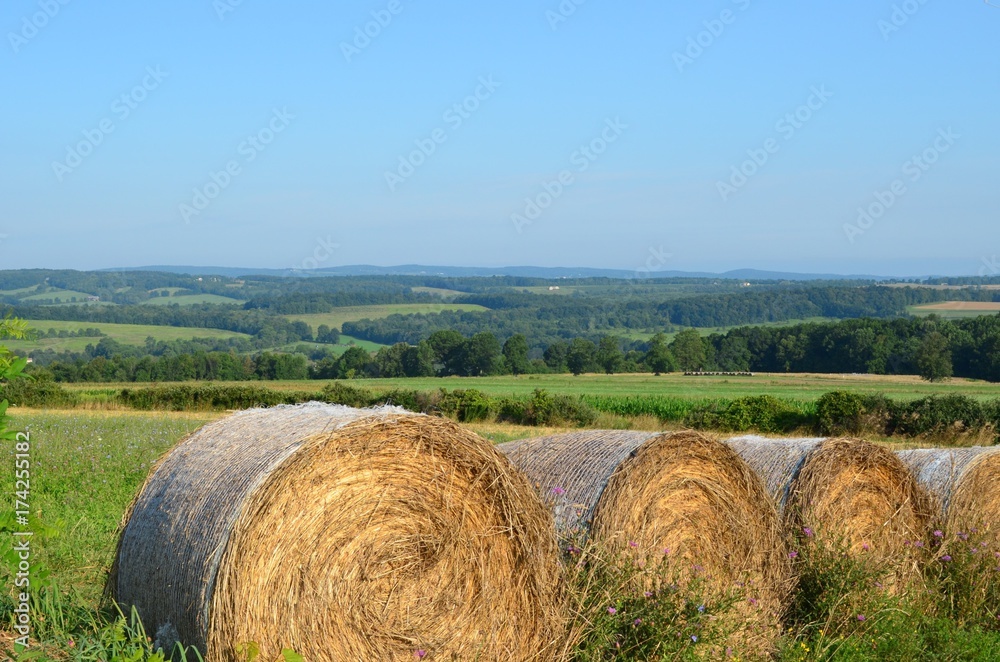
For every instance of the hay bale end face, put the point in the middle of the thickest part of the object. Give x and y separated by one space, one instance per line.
964 483
343 534
848 489
683 492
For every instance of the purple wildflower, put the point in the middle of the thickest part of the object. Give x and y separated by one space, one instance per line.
861 618
938 534
637 622
648 594
558 491
633 544
694 638
612 611
793 555
809 532
420 653
946 558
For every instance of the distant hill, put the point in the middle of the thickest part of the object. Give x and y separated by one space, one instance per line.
458 272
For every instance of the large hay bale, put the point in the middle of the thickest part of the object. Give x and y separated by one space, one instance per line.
342 534
964 483
851 490
683 492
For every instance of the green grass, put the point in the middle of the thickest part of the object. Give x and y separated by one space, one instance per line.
346 342
132 334
191 299
86 467
803 388
64 296
709 330
338 316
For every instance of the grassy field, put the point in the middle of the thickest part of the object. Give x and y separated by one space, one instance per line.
132 334
346 342
338 316
191 299
801 387
64 296
709 330
957 309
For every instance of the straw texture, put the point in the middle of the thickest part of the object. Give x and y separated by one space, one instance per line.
848 489
343 534
964 482
683 498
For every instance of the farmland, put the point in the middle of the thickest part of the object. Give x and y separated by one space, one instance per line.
957 309
338 316
131 334
191 300
87 466
800 387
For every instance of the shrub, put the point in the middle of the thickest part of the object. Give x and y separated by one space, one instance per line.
938 415
841 413
764 413
37 393
339 393
466 406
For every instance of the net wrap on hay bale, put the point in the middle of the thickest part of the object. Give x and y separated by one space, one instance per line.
964 483
850 489
342 534
649 492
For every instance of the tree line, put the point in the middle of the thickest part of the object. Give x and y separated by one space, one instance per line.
931 347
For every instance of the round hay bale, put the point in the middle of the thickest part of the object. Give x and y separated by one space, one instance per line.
683 492
964 483
849 489
342 534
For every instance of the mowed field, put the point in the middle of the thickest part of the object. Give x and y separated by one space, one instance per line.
957 309
132 334
338 316
191 299
801 387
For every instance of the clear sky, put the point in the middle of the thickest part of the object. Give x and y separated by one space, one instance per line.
696 136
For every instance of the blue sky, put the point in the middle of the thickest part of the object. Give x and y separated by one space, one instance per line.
490 134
